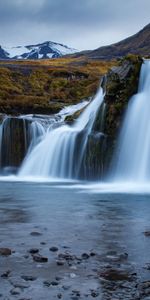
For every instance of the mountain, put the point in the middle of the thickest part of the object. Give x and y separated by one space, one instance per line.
40 51
138 43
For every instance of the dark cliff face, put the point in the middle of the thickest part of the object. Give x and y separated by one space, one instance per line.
120 85
15 141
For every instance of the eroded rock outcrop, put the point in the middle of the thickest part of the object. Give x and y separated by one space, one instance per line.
14 141
121 83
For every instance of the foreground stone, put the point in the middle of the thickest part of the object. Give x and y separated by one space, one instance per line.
5 251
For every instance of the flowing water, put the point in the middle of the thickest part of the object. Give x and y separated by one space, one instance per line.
132 158
58 154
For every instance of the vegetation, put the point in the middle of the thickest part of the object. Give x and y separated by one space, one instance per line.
44 86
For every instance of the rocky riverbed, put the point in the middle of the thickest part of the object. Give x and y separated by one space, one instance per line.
61 242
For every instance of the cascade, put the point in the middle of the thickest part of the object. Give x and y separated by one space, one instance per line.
19 135
61 150
132 158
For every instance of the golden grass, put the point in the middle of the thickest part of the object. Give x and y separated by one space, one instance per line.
33 85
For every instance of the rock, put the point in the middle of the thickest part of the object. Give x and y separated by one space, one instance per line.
76 292
50 283
94 294
147 233
58 278
19 283
35 233
66 256
5 251
14 141
6 274
60 262
33 250
15 291
85 256
39 258
28 278
92 253
46 283
53 249
59 296
115 275
54 283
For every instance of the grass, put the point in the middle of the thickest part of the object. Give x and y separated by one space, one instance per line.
44 86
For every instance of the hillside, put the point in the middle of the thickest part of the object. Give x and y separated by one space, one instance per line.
138 44
45 86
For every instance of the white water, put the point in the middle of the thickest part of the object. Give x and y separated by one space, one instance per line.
57 154
132 159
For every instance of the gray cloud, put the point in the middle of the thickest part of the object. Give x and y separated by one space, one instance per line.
82 24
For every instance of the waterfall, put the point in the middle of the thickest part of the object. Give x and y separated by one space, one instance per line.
132 158
60 152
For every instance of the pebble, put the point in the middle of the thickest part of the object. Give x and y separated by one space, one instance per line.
92 253
6 274
35 233
5 251
85 256
60 262
19 283
94 294
40 258
147 233
54 283
58 278
53 249
15 291
34 250
28 278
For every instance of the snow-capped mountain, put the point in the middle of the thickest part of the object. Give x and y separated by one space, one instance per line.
40 51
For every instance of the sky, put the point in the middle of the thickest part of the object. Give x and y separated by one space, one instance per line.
81 24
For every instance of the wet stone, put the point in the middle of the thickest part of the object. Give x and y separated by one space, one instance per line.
94 294
115 275
5 251
47 283
15 291
54 283
66 256
33 250
19 283
92 253
28 278
35 233
53 249
39 258
85 256
6 274
58 278
43 243
60 262
147 233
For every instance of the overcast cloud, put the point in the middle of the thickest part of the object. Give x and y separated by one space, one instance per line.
82 24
